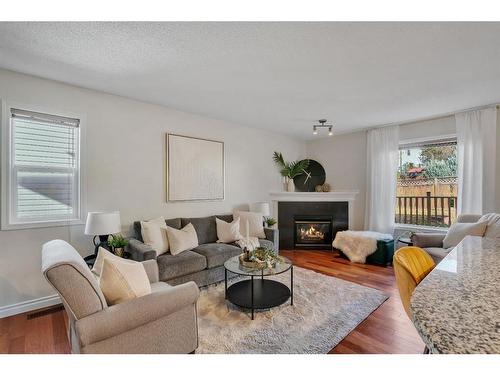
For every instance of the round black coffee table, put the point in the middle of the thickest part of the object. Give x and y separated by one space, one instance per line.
258 292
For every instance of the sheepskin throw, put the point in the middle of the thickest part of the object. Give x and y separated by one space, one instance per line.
357 245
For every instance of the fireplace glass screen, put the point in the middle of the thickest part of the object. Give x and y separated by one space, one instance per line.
311 232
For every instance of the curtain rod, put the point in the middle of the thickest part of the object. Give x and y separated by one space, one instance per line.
434 117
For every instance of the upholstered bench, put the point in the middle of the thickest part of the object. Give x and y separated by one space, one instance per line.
384 253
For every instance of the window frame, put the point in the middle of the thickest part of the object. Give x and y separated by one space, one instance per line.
408 143
8 191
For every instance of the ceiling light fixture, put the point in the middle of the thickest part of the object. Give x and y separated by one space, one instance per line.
322 124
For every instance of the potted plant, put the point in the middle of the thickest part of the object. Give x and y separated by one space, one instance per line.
270 221
117 243
290 170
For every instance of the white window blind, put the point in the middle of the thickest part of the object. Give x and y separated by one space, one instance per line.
44 174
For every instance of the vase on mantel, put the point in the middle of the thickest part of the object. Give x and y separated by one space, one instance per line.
290 185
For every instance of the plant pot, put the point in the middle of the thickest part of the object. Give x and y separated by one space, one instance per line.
119 252
290 185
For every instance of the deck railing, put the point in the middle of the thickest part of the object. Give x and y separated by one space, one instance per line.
440 211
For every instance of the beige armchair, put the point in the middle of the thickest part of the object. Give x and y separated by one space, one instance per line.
433 242
162 322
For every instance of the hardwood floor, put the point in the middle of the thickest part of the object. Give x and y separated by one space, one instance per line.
386 330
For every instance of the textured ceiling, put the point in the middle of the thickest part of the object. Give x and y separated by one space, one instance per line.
277 76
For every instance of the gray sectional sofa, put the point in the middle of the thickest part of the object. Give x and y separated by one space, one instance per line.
204 264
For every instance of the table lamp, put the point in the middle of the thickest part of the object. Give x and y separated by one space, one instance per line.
102 224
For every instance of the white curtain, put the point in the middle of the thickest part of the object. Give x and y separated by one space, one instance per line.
382 165
476 139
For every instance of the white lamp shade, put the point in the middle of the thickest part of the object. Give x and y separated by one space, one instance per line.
261 208
101 223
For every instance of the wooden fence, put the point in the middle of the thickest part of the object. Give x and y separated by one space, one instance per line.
427 210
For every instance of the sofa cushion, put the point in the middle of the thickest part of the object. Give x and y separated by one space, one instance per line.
217 253
437 253
227 218
174 223
493 229
122 281
205 228
182 239
458 231
172 266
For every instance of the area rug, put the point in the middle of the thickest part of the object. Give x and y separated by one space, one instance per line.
325 310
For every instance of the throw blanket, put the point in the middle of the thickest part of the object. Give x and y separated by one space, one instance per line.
250 244
357 245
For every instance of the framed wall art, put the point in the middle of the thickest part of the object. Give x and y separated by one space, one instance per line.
195 169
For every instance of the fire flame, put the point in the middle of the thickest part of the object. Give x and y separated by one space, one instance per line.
311 233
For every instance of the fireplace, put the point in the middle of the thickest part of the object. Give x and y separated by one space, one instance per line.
312 232
307 213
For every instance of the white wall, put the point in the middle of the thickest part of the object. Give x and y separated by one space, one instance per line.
344 158
125 160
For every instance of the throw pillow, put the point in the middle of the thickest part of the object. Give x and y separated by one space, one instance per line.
182 239
228 232
102 254
122 281
493 225
154 234
255 223
458 231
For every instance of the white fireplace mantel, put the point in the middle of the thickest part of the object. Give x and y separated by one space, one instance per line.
333 196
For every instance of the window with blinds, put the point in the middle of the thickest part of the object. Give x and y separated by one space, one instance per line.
44 173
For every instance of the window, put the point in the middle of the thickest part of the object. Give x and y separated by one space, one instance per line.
43 170
427 183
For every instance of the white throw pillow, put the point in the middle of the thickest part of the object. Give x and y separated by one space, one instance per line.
228 232
182 239
493 225
154 234
458 231
122 281
102 254
255 223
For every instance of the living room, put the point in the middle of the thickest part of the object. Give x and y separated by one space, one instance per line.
249 187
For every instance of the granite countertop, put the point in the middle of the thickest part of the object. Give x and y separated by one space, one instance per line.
456 308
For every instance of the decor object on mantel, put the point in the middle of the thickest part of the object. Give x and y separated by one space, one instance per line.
314 174
326 188
290 170
357 245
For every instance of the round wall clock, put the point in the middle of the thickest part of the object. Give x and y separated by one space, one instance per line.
313 175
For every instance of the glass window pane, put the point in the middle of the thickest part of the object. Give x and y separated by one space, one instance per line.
44 195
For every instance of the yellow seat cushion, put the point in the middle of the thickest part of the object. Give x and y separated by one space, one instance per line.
411 265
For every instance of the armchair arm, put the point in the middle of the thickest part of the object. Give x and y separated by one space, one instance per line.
151 268
128 315
428 239
273 236
140 251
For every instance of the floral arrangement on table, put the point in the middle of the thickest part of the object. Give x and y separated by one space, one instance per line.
260 257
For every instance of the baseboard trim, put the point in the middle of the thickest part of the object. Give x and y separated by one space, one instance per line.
34 304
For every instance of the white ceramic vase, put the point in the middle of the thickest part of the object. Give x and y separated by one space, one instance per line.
290 185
